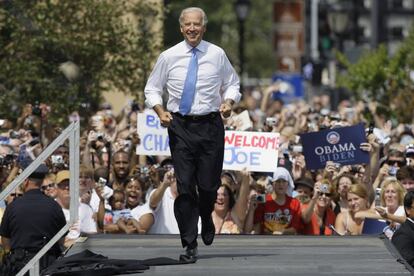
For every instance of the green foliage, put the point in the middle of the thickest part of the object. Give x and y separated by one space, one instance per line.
105 48
384 79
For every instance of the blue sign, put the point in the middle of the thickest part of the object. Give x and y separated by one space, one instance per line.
291 87
339 145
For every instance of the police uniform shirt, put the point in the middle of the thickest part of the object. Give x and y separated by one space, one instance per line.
31 221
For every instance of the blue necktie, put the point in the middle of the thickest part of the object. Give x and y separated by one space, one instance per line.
189 84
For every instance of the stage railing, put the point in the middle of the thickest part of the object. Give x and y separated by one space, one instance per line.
72 132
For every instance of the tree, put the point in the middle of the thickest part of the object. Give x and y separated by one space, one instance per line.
376 76
67 52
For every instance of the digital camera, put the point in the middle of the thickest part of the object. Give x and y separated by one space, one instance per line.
101 182
57 159
36 110
392 171
261 198
324 188
271 121
6 160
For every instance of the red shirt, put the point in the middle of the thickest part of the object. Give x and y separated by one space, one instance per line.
275 217
312 228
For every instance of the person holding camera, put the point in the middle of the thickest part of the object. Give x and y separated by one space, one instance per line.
349 223
161 200
280 213
59 160
317 215
394 160
388 206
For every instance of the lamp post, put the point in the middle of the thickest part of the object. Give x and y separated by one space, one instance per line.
242 11
338 19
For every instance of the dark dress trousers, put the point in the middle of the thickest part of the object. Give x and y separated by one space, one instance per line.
197 150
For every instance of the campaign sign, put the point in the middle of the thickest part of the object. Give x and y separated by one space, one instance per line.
154 137
256 151
339 145
290 87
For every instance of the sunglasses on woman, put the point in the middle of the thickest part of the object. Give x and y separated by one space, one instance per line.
48 186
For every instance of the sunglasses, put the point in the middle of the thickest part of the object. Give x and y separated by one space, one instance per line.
63 185
45 187
16 195
326 194
400 163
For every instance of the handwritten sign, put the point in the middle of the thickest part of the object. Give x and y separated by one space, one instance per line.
154 137
256 151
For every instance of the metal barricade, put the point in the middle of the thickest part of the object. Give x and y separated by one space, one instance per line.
72 132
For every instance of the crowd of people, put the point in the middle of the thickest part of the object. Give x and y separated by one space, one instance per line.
121 192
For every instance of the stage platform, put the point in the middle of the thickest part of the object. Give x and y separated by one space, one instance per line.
257 255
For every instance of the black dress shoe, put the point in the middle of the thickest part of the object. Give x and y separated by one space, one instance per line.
190 255
207 231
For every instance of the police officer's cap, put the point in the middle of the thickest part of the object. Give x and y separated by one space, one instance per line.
39 173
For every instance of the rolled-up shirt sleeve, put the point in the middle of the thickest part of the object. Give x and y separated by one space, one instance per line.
156 83
231 83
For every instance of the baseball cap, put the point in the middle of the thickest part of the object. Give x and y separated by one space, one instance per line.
62 175
280 173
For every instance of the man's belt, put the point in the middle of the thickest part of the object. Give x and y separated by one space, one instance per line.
211 115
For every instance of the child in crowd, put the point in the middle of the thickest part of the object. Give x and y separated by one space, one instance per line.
120 215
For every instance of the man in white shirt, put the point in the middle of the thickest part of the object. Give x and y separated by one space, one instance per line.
161 200
86 223
202 85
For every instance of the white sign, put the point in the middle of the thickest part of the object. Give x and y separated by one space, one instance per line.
154 137
242 121
256 151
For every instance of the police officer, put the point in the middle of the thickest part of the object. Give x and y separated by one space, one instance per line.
29 222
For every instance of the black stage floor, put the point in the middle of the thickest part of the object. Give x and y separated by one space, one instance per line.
257 255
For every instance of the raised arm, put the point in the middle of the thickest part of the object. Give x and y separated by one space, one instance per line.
157 194
240 207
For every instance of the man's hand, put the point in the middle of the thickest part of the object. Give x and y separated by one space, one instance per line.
165 118
226 107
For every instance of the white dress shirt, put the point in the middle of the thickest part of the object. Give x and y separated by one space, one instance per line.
216 78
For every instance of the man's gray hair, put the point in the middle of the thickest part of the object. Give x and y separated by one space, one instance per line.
193 9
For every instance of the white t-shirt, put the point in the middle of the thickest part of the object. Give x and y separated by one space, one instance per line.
85 223
141 210
164 218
